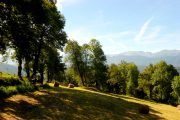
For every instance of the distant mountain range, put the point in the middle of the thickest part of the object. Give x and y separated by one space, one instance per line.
142 59
8 68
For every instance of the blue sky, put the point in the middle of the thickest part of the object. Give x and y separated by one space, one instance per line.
124 25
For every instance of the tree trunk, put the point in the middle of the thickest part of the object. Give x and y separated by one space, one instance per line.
19 68
36 62
48 76
27 68
41 77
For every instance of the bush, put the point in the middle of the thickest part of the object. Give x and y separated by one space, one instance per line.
144 109
46 86
25 86
10 81
7 91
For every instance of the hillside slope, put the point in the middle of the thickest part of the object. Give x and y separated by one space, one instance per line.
80 104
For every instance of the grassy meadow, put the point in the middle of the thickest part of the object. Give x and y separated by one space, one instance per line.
81 104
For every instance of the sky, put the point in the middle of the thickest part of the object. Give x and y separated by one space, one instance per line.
124 25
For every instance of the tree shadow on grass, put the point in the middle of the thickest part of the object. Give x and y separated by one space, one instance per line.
71 104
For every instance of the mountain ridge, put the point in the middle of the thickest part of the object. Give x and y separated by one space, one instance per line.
145 58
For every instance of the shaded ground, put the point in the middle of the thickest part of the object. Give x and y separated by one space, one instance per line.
80 104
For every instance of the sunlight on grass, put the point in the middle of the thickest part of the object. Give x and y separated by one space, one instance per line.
81 104
7 75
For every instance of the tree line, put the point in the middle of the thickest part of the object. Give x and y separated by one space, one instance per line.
87 66
33 31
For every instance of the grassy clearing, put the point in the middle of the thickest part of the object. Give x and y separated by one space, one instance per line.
81 104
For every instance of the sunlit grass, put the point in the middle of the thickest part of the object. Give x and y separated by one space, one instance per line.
7 75
77 103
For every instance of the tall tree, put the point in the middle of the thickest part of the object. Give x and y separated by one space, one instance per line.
176 89
145 80
162 79
114 78
98 64
132 79
30 30
74 58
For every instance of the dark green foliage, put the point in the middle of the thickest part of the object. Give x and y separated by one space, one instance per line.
10 81
156 82
26 87
132 79
10 87
29 32
46 86
145 81
176 90
7 91
123 78
162 79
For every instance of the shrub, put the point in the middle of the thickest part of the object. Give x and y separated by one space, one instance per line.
3 92
25 87
10 81
46 86
7 91
144 109
11 86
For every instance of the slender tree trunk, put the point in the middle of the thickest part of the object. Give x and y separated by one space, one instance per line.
19 67
48 76
41 77
36 62
27 68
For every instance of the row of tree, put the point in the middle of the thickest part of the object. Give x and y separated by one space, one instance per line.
87 65
33 30
159 82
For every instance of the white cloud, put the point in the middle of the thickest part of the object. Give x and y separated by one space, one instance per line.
143 29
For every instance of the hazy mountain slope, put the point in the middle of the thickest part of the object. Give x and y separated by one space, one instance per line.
145 58
8 68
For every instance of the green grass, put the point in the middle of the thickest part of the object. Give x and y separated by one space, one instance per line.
8 75
81 104
10 85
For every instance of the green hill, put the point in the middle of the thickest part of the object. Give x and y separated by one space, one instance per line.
81 104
